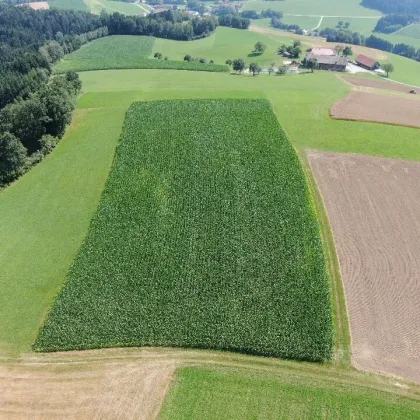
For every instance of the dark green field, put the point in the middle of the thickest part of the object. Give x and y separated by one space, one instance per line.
204 237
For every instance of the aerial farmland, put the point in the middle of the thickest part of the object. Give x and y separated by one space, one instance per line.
193 231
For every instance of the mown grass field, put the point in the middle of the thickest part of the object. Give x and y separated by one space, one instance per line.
45 217
213 393
69 4
225 43
310 7
412 31
205 237
96 6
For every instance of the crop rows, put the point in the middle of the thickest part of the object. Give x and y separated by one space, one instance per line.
204 237
125 52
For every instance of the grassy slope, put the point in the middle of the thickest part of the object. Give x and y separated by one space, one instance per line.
224 44
300 102
125 51
44 220
310 7
69 4
412 31
204 234
207 393
96 6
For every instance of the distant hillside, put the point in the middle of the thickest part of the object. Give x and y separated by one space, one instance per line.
394 6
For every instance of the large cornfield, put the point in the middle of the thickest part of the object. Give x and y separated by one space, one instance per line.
205 237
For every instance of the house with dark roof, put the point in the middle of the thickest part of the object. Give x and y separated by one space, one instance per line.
367 63
332 63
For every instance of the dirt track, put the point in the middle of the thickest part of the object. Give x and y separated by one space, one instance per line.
374 212
109 389
371 107
376 84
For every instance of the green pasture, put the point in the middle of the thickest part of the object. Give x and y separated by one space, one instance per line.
363 26
225 43
412 31
45 216
208 393
311 7
96 6
305 22
301 103
69 4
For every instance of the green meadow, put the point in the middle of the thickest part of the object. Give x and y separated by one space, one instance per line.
233 393
69 4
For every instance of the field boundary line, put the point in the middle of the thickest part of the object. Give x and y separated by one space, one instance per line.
342 339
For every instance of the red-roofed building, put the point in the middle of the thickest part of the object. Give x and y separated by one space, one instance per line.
367 63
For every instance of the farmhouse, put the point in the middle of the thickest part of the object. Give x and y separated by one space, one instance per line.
320 52
366 62
333 63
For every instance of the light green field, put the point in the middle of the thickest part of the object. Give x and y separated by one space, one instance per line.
96 6
45 216
207 393
61 193
398 38
305 22
311 7
69 4
412 31
225 43
362 26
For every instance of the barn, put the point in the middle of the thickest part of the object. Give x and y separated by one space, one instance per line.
366 62
332 63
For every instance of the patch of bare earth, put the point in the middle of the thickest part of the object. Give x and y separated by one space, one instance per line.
371 107
319 42
73 389
373 208
39 5
376 84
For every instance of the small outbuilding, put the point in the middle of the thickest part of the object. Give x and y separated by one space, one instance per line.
367 63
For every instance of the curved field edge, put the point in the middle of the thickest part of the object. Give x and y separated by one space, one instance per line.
342 342
234 263
237 393
304 375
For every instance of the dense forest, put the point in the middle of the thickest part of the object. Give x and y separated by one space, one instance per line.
34 108
394 6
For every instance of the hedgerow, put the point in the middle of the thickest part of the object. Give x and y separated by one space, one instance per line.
205 237
139 63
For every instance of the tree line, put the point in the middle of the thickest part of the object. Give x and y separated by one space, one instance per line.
349 37
393 6
394 22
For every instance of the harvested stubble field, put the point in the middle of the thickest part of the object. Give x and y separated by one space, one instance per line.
205 237
376 84
371 107
373 207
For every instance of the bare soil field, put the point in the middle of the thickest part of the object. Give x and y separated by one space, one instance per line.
373 208
371 107
39 5
73 389
320 42
376 84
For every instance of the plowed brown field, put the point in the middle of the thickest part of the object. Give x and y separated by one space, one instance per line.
370 107
377 84
374 211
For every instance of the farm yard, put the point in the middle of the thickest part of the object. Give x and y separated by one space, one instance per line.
372 204
372 107
192 229
190 222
